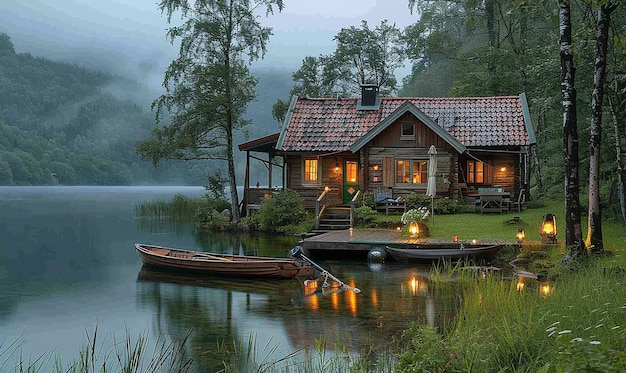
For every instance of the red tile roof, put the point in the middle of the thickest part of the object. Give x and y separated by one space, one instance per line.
333 125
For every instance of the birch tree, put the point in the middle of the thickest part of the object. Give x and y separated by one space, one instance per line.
209 85
573 232
594 222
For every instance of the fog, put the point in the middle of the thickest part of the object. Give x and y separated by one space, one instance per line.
128 37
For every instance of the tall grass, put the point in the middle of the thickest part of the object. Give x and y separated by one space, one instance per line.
329 354
578 325
180 208
127 356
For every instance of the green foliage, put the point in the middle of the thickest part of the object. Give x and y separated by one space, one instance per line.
216 185
364 216
209 211
448 206
369 199
417 201
281 210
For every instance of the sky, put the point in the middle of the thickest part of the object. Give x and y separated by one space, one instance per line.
128 36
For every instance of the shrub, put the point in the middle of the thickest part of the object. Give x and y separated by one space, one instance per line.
415 201
364 216
280 210
209 210
448 206
369 200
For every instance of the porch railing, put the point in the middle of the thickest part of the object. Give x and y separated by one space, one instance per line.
319 208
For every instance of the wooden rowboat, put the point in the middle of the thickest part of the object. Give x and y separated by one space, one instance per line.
212 264
456 252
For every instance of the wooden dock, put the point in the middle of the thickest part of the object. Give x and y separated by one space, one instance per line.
357 243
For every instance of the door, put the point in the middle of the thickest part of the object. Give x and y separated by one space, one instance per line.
350 180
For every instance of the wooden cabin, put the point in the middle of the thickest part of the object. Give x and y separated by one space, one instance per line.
349 145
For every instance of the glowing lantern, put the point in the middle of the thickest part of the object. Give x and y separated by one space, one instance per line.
414 228
520 235
548 229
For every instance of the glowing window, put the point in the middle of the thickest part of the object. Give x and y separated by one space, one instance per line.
311 171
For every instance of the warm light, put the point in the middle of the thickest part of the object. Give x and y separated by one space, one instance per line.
352 301
375 167
374 295
353 180
455 238
414 228
351 232
414 284
336 167
310 287
503 169
326 189
520 285
520 235
545 290
474 241
548 229
398 229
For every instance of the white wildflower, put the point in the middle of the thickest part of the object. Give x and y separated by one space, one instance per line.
595 342
615 327
576 340
551 329
566 331
599 326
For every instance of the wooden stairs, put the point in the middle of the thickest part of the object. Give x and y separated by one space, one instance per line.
334 218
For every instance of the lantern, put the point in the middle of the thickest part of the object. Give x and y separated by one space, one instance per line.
414 228
548 229
520 235
336 167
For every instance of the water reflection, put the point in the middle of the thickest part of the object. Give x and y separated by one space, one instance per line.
227 310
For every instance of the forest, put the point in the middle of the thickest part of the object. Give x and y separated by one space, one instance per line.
65 124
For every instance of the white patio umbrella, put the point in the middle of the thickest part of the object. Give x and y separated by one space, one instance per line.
431 187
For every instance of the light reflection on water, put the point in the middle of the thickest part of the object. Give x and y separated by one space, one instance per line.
68 264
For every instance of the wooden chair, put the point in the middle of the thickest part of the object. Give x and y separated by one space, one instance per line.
385 201
521 201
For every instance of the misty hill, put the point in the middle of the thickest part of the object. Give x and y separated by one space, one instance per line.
63 123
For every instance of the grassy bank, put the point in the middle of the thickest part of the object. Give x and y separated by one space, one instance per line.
575 323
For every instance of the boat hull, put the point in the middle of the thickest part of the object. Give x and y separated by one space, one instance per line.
452 253
211 264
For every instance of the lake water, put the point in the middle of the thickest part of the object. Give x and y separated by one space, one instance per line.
68 265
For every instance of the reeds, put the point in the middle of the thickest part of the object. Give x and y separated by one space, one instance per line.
180 208
127 356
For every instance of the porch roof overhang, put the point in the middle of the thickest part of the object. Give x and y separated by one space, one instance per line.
408 107
266 144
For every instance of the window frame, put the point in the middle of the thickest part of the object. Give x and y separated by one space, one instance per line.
400 178
407 136
473 172
305 179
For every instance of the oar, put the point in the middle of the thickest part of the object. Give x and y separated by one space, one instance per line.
296 252
213 257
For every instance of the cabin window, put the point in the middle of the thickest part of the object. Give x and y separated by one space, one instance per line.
411 171
475 172
311 171
408 131
351 172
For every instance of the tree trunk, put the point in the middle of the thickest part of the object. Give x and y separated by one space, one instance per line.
573 232
615 107
594 222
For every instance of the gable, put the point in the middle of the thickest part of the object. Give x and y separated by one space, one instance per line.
408 107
